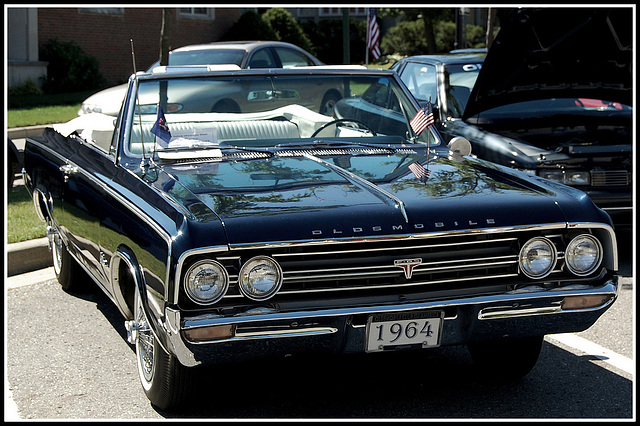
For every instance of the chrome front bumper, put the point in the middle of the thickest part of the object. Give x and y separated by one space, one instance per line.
526 312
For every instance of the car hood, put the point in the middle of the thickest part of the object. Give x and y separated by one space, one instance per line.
302 198
107 101
557 53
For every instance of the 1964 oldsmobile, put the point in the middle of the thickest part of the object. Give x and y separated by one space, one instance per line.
271 229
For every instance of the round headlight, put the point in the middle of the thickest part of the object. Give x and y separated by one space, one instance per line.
260 278
538 257
583 254
206 282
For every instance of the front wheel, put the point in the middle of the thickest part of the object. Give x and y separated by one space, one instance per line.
68 271
506 359
165 381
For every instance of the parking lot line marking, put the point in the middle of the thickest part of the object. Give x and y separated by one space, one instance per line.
588 347
31 278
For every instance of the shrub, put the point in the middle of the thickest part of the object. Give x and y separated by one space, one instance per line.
70 69
408 38
28 88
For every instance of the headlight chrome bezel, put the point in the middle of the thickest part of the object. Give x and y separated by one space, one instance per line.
244 278
567 176
526 252
199 267
570 252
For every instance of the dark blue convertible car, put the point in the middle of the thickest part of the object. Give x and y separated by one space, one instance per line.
272 229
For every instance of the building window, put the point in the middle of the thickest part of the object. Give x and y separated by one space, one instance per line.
103 10
197 13
337 11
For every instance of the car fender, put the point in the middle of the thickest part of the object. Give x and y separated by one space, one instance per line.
490 146
126 278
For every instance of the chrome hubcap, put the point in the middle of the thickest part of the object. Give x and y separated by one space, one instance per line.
139 332
55 244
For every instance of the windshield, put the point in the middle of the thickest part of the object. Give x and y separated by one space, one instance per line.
261 111
422 81
203 57
459 80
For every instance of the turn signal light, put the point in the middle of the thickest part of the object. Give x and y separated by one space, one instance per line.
207 334
584 302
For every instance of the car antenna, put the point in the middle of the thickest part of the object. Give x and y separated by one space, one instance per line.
144 164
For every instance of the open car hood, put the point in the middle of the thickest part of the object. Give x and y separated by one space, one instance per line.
557 53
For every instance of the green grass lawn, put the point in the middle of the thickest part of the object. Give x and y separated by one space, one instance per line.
22 222
31 110
41 115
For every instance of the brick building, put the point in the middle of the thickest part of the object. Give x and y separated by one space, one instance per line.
105 33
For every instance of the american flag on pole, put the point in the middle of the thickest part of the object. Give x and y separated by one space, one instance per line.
423 119
373 34
419 171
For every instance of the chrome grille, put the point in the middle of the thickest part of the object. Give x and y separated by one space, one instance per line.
610 177
365 266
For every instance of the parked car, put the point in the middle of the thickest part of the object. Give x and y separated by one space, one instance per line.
554 98
14 162
245 54
237 237
445 80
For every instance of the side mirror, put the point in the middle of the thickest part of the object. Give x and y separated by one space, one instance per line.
459 146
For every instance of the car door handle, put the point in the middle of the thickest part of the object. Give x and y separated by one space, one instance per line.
68 169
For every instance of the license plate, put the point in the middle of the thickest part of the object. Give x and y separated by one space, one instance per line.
401 330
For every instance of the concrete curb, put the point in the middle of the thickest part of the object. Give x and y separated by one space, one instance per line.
28 256
26 132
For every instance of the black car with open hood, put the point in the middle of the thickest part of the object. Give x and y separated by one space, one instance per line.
554 98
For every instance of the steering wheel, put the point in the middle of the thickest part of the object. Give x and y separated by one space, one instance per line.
343 120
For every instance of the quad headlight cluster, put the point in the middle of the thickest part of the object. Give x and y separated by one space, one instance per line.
568 177
207 281
539 256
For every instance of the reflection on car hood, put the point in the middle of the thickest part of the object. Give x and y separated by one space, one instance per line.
557 53
301 198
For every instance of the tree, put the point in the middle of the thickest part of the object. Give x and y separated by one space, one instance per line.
429 18
250 26
165 35
287 28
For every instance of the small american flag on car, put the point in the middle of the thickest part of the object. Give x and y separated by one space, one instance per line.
419 171
423 119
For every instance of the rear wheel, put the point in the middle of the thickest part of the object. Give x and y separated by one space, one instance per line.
165 381
506 359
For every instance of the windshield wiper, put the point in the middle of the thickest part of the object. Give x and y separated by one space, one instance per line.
323 144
